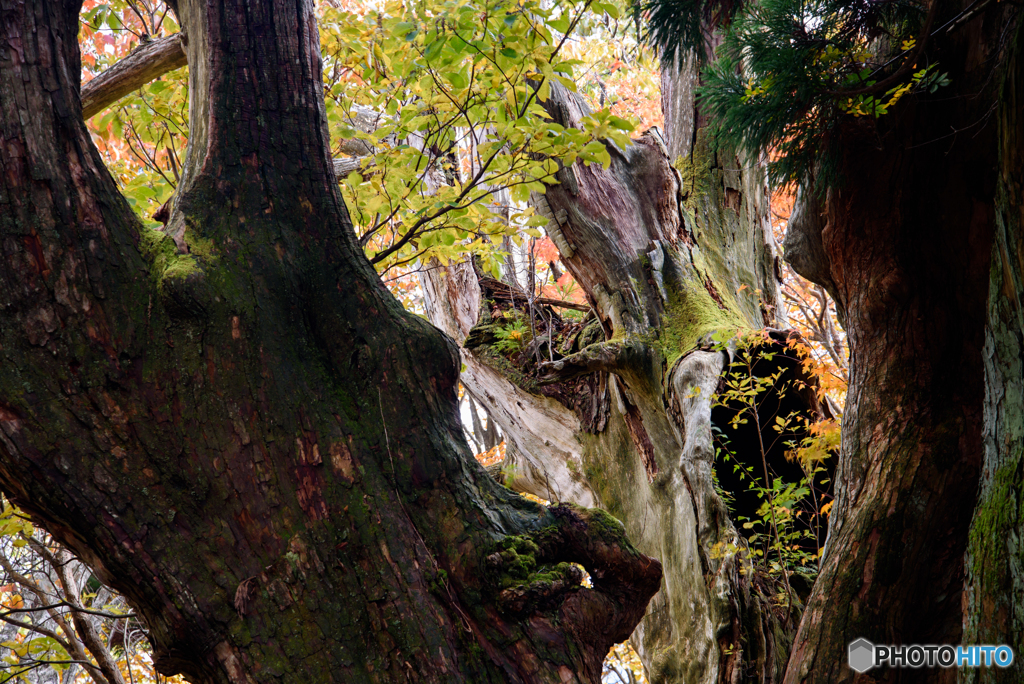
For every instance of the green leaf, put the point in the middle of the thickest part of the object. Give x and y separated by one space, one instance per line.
457 80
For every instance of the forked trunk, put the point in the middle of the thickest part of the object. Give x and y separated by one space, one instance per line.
235 424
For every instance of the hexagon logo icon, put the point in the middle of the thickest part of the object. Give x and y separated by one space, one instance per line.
861 655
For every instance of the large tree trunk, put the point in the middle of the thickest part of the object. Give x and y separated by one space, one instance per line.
995 586
235 424
666 256
908 242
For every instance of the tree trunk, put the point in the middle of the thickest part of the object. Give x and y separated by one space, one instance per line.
666 256
235 424
995 587
908 239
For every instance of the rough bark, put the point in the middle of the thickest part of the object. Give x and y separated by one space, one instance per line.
908 237
994 613
662 253
235 424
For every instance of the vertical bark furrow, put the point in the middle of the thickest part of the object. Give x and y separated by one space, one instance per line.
907 238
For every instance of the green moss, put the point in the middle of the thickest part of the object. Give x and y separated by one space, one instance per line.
591 334
168 264
293 560
439 584
523 585
600 524
690 314
156 246
549 574
481 335
608 528
201 247
574 468
996 515
499 363
517 556
180 268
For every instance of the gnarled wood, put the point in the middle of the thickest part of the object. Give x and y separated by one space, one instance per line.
542 454
651 248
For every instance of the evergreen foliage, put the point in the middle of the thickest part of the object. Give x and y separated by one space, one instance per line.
679 24
789 72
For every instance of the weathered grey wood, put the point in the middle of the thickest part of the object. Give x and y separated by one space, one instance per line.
658 274
346 165
542 454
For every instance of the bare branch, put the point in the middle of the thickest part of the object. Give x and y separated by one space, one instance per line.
72 606
343 167
87 633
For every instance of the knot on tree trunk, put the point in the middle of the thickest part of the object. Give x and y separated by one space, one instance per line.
804 249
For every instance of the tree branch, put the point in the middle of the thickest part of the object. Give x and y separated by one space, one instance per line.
609 357
72 606
147 62
86 631
343 167
905 68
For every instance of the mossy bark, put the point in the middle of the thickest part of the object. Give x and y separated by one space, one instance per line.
234 423
994 600
667 254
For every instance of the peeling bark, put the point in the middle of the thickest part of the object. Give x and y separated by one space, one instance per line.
661 253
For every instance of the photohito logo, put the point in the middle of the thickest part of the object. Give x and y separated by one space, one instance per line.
864 655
